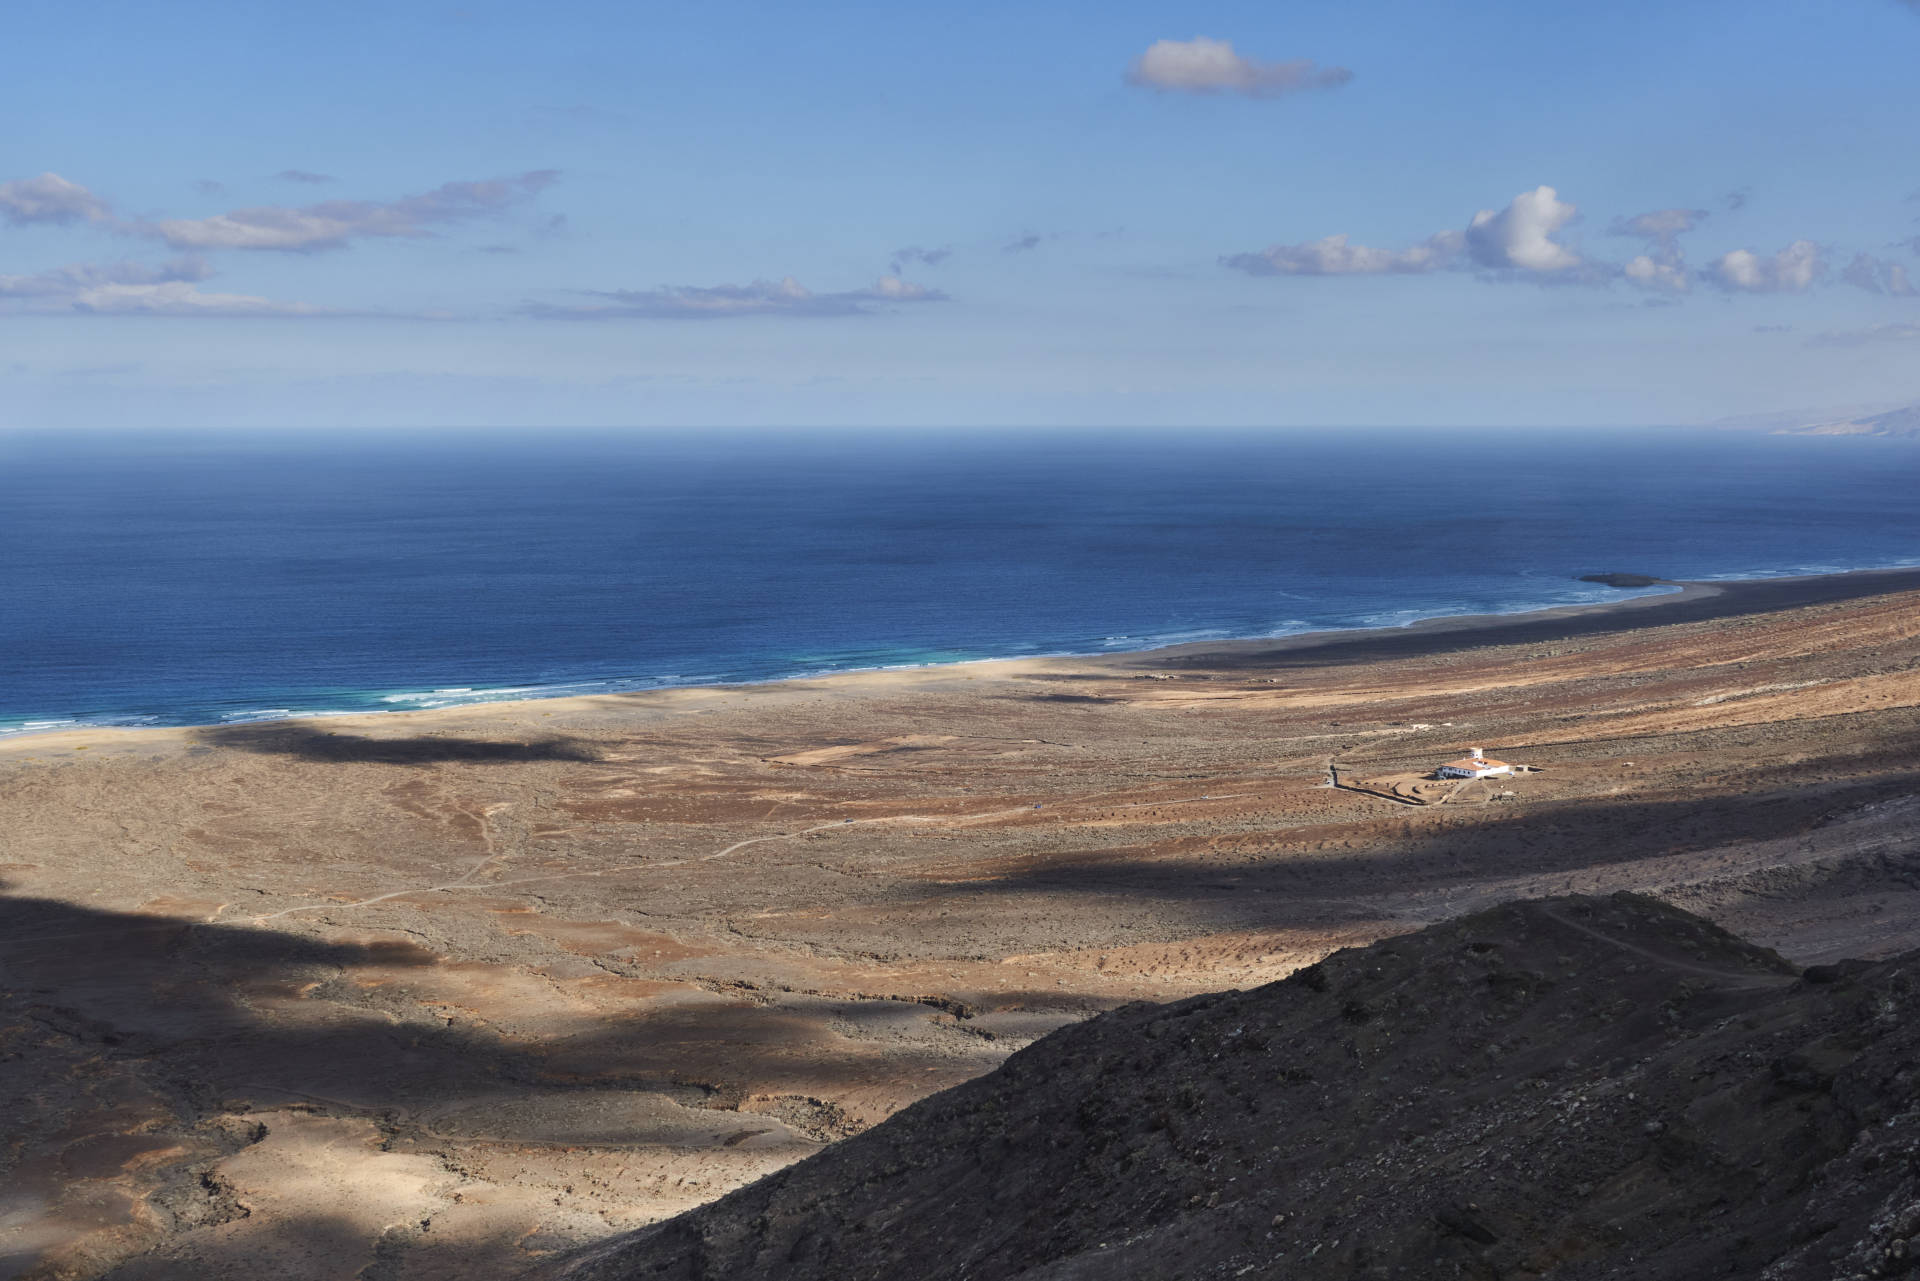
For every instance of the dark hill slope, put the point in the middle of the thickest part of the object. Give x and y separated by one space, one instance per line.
1572 1088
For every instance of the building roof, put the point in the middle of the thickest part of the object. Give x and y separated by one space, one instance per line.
1477 763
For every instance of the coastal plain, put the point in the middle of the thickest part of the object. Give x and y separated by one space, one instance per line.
443 994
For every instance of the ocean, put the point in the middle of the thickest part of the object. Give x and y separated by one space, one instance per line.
170 579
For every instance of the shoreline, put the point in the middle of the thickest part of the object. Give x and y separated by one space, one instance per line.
1695 601
612 957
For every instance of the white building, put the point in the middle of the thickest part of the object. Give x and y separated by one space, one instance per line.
1479 765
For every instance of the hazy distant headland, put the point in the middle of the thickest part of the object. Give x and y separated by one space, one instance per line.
1902 421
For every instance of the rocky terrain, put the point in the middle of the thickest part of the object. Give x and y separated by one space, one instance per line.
445 995
1565 1088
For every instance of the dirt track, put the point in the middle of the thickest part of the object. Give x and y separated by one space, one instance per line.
411 996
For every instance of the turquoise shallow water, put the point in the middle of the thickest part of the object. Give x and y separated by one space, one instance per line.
149 579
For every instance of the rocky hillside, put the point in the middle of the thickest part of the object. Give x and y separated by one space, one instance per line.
1570 1088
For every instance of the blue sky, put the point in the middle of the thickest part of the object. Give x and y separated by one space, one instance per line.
1288 214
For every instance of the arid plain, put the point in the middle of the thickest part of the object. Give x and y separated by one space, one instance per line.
437 995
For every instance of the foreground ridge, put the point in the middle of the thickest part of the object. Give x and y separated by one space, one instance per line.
1565 1088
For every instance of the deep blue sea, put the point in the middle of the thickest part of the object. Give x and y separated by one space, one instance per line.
197 579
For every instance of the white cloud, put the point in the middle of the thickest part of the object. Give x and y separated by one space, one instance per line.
1520 237
1522 242
785 297
304 176
331 224
1662 227
1515 243
49 199
1878 276
67 282
1793 270
1662 267
267 228
132 288
1201 65
1649 272
1337 256
894 289
178 298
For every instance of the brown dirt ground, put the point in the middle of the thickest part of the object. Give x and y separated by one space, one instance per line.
441 994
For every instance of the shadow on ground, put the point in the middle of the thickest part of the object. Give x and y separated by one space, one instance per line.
1339 880
310 743
135 1048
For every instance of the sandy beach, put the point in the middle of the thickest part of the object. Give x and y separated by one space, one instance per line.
441 993
1686 602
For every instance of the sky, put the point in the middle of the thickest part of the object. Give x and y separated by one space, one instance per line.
1320 213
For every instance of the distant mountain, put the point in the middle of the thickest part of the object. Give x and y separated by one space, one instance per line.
1854 420
1895 422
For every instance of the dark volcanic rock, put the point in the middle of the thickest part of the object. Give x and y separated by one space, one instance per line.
1572 1088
